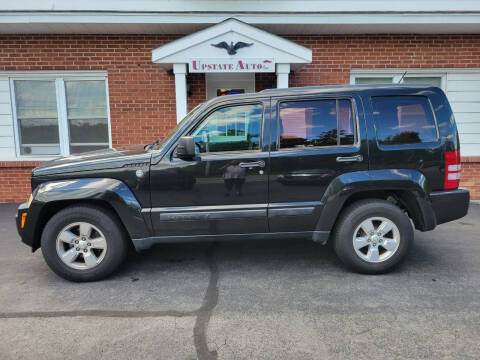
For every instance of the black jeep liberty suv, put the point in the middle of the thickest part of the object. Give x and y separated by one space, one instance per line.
356 165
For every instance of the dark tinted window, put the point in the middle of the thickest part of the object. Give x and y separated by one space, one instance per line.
403 120
230 129
316 123
345 122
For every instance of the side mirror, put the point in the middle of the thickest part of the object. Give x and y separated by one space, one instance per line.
186 147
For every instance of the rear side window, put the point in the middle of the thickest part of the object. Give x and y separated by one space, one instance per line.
404 120
326 122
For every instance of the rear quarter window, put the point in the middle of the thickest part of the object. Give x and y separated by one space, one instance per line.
404 120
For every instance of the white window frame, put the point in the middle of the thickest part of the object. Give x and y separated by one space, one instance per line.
60 78
397 74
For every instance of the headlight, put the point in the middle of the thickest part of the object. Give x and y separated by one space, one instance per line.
30 200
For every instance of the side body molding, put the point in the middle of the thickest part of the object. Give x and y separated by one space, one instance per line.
412 182
111 191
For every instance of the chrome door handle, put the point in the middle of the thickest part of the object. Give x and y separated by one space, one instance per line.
253 164
349 158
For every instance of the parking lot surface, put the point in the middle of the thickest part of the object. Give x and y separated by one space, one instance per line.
285 299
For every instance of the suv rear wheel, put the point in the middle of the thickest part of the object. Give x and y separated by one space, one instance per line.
83 243
372 236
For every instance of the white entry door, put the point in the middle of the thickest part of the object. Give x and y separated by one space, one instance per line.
220 84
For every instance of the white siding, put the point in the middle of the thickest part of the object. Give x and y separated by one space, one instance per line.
469 117
463 91
467 127
460 107
462 86
7 141
462 96
468 149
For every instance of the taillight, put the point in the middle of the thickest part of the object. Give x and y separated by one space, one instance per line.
453 169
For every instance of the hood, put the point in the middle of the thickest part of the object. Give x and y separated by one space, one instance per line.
94 160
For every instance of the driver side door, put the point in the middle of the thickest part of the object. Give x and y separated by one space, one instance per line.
223 189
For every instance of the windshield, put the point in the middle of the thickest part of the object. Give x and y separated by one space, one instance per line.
156 144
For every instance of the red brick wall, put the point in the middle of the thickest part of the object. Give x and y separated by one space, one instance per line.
196 90
471 175
142 95
334 56
265 81
15 180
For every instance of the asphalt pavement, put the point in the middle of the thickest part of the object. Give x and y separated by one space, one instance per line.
284 299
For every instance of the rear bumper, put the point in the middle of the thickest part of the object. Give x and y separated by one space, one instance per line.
450 205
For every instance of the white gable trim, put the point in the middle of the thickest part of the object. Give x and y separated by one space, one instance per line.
287 51
248 6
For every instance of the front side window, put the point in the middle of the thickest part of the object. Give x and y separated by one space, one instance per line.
326 122
60 116
404 120
233 128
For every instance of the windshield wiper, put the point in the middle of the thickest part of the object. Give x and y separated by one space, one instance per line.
152 145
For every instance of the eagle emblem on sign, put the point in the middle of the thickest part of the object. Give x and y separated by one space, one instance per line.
232 49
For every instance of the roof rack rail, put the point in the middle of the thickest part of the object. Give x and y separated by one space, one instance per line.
324 87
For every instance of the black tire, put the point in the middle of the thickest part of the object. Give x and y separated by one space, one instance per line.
101 218
352 217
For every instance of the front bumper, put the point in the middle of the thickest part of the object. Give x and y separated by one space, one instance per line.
450 205
24 232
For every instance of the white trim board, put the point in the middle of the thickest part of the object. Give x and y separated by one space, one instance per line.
198 45
54 74
414 71
247 6
329 19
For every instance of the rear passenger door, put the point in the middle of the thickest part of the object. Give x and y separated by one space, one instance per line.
314 140
407 136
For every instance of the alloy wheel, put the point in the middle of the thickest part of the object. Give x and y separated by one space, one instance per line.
81 245
376 239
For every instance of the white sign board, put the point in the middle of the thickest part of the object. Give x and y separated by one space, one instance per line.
231 65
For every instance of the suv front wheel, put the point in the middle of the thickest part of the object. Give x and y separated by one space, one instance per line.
372 236
83 243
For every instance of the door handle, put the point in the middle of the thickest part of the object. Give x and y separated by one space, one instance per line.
253 164
358 158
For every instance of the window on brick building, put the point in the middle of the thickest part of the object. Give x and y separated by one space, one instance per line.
60 116
86 115
309 123
37 117
431 80
374 80
413 77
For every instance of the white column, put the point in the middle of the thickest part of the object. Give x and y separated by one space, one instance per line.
180 90
282 75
